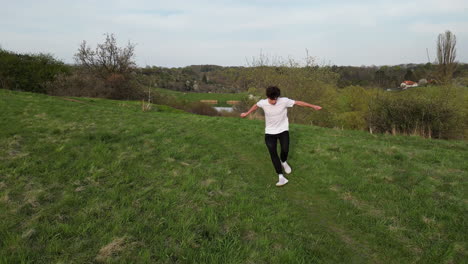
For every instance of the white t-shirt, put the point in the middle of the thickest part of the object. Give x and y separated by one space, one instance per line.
276 116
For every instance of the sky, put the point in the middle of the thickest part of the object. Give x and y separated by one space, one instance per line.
179 33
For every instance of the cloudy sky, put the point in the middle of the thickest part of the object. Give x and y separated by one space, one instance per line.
179 33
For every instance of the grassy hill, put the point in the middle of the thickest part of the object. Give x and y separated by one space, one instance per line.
92 180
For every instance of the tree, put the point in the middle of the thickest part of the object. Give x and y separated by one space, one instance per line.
446 54
108 58
112 64
380 78
409 76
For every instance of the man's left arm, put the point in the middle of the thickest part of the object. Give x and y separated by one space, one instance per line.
300 103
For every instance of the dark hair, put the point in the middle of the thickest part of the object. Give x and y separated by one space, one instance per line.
273 92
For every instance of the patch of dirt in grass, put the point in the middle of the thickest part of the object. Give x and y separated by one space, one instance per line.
5 198
79 189
459 248
14 149
428 221
207 182
41 116
87 182
250 235
73 100
28 234
455 171
112 249
388 178
175 172
184 163
394 228
31 196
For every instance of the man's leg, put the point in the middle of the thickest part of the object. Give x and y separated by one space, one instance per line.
284 141
271 142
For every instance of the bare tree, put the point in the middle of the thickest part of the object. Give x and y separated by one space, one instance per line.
446 54
113 65
107 58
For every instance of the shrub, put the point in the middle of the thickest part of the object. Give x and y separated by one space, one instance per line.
438 112
352 107
78 84
82 84
28 73
114 65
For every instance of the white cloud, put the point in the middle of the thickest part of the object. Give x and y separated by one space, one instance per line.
423 7
437 28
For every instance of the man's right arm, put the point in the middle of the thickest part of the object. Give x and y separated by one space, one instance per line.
253 108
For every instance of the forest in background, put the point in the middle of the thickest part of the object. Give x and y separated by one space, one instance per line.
214 78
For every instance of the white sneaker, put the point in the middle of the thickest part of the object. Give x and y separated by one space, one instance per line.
282 181
286 167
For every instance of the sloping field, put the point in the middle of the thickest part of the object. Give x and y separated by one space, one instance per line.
89 180
223 99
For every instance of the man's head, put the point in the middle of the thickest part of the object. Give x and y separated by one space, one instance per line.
272 93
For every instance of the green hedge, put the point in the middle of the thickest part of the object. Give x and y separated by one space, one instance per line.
28 72
438 112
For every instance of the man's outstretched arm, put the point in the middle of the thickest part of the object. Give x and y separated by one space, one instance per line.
253 108
300 103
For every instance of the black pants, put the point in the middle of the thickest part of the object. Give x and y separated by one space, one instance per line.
271 142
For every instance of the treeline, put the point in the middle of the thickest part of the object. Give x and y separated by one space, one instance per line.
195 78
213 78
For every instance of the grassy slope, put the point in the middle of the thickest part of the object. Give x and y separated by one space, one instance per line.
103 181
196 97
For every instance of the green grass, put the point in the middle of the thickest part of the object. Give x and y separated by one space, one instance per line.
196 97
102 181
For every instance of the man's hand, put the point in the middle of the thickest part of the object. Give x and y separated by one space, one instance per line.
300 103
253 108
316 107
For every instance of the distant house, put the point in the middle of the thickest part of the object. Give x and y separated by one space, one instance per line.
407 84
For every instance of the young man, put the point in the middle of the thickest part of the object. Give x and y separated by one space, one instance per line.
277 127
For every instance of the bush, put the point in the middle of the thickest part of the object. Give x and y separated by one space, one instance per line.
114 65
28 73
82 84
352 107
438 112
78 84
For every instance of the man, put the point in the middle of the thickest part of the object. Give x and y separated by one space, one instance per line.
277 127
